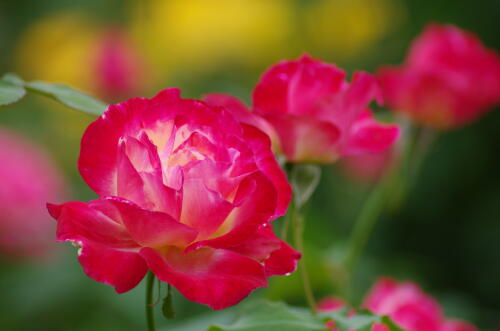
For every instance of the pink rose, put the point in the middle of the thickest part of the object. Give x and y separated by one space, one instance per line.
407 305
449 79
317 115
185 191
28 179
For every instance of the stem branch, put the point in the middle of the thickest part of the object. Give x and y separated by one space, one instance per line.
298 236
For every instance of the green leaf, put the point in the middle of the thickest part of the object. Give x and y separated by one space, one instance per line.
168 307
13 79
361 321
68 96
273 316
10 93
304 179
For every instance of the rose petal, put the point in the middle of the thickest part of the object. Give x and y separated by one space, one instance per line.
278 257
121 269
244 115
215 277
304 138
97 221
98 155
271 93
369 136
313 81
153 229
107 252
266 162
203 209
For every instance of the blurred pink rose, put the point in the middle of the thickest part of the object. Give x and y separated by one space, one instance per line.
317 114
410 307
28 179
449 79
119 70
405 303
185 191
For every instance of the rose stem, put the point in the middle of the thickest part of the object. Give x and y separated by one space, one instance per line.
150 319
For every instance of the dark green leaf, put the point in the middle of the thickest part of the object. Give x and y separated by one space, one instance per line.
68 96
10 93
273 316
304 179
168 307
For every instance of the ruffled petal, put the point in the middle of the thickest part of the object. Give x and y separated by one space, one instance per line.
267 164
98 155
153 229
369 136
312 83
271 93
278 257
244 115
140 177
107 252
97 221
203 209
214 277
121 269
304 138
282 261
255 204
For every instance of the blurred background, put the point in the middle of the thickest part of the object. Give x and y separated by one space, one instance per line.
446 236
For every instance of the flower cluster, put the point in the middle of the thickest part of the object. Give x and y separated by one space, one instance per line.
406 304
188 189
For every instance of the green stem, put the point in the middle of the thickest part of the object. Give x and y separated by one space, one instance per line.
365 224
395 185
150 319
298 236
